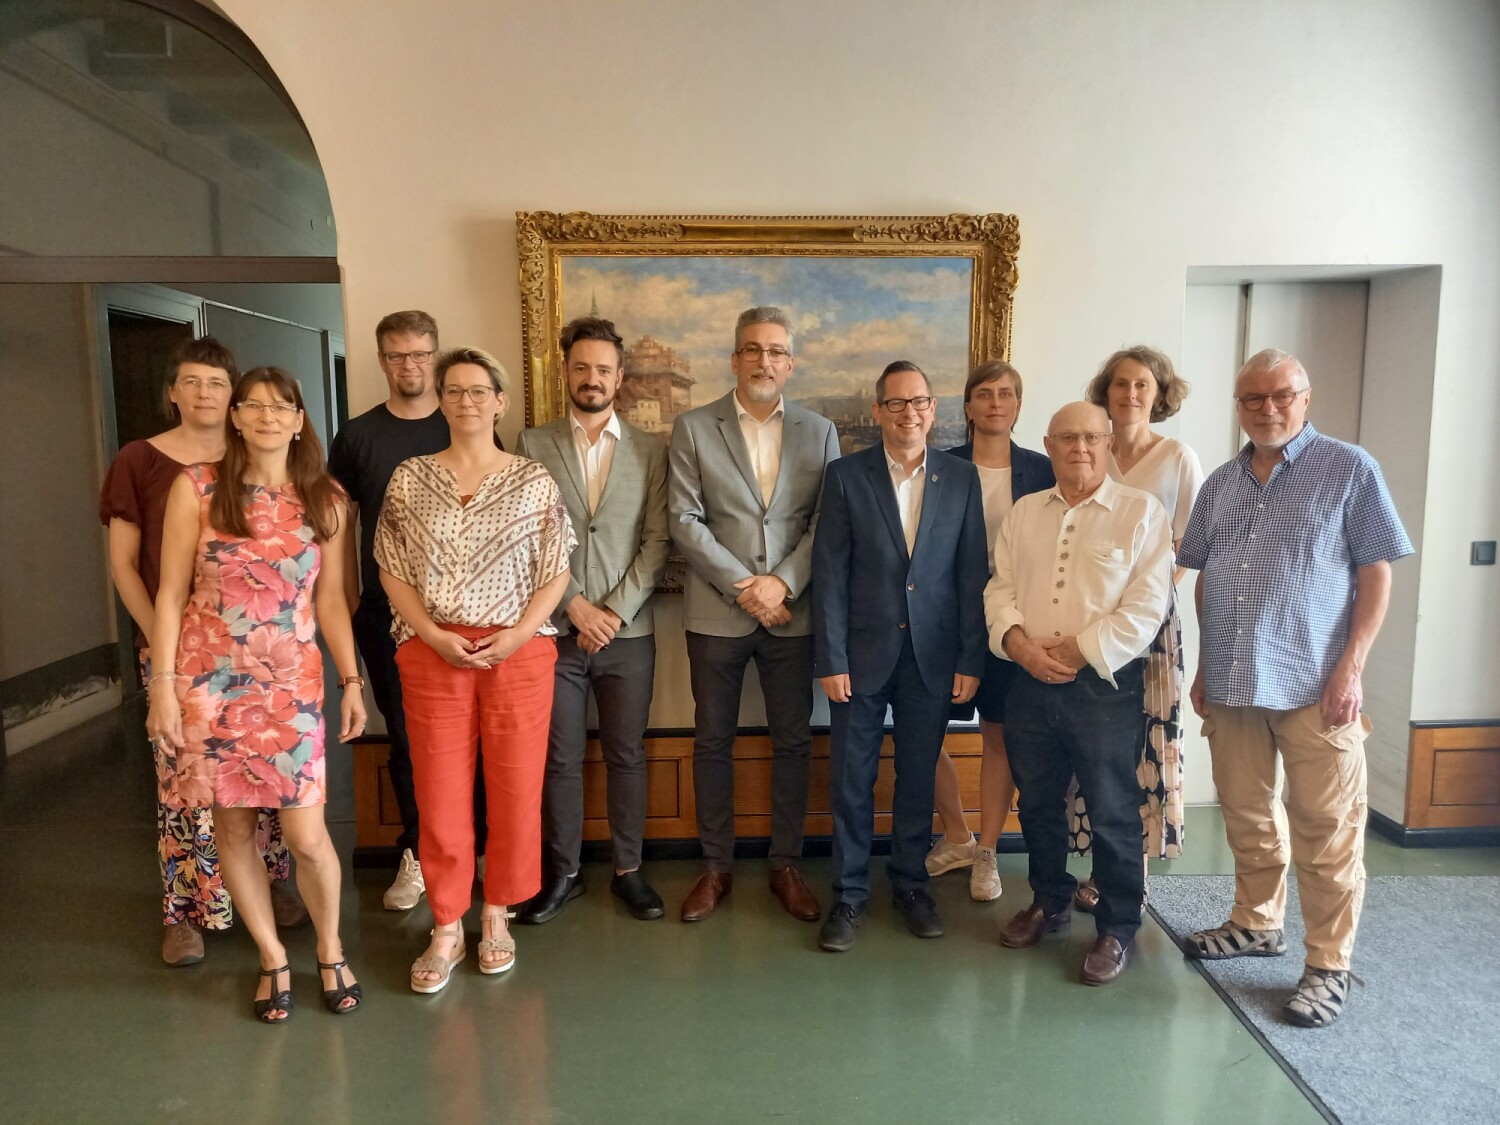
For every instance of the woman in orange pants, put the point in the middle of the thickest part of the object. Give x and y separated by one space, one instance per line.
473 545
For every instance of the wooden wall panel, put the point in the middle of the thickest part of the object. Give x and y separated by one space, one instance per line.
1453 777
671 811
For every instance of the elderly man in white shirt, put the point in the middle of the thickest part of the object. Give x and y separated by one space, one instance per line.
1081 580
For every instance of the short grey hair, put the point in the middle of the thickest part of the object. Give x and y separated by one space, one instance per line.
765 314
1269 359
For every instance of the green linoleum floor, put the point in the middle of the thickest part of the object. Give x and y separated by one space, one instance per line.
738 1018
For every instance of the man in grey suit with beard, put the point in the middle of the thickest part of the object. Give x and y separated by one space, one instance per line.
613 479
746 476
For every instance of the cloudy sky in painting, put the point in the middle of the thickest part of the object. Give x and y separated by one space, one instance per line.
853 315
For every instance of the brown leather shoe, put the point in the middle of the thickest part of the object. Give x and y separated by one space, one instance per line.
705 895
287 906
1027 927
788 885
1107 959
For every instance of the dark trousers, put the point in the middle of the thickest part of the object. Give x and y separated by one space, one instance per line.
1093 730
621 675
717 668
372 634
920 720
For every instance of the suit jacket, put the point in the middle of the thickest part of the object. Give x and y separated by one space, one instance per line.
724 529
869 594
622 547
1029 471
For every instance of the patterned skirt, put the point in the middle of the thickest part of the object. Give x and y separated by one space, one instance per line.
1159 770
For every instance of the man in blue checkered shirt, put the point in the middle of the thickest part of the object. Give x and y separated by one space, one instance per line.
1293 541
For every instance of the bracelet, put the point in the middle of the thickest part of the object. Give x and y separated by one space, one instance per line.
347 680
162 676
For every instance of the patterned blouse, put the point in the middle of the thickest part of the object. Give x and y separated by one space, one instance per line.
476 563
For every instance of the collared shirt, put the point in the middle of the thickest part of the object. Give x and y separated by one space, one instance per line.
763 439
910 489
476 563
1279 562
1100 571
597 457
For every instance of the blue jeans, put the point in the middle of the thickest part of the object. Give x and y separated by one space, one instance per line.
1093 730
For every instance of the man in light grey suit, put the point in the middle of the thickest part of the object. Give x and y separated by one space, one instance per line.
746 477
613 480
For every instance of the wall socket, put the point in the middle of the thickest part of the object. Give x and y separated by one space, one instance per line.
1482 552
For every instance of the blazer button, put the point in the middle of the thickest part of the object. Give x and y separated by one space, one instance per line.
902 625
911 585
760 558
592 530
767 523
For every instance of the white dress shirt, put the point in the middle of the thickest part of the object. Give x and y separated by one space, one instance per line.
1101 572
595 457
910 488
763 440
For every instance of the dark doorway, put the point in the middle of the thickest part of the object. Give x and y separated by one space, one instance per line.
140 347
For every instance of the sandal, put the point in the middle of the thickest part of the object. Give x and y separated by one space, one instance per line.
337 996
278 1001
505 946
435 963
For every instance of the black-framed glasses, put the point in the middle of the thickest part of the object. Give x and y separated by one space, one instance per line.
772 355
396 359
1282 399
477 395
897 405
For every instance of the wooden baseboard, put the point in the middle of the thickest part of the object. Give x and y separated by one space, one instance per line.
670 810
1453 776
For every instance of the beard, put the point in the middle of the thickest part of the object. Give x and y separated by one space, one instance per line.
603 403
762 392
411 388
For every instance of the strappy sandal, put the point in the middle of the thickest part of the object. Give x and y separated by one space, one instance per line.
505 945
335 997
433 963
277 1001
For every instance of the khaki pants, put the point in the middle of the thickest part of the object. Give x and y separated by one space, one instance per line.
1324 807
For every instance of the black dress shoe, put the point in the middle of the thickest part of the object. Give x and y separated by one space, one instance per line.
836 934
547 904
632 889
920 913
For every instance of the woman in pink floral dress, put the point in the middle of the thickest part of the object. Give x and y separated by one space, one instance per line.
252 565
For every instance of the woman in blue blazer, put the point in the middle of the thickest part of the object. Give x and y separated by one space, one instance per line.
992 403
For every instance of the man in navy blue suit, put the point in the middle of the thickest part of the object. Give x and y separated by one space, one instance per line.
899 569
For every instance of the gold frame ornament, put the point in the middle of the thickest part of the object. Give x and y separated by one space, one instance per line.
544 238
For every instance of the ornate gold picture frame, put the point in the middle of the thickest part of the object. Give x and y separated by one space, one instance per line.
862 291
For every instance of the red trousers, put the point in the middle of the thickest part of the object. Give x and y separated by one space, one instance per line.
452 714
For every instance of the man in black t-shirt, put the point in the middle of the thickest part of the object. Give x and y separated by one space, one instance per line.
365 453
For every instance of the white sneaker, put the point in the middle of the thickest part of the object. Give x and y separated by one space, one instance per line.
984 876
946 855
409 886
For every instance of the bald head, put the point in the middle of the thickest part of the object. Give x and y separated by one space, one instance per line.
1078 442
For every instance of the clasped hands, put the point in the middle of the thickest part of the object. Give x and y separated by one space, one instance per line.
763 597
481 652
1053 660
596 626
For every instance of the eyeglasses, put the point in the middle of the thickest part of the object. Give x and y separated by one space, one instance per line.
477 395
193 383
774 356
396 359
1089 439
280 409
898 405
1282 399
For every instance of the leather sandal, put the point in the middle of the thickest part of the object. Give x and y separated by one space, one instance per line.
278 1001
336 996
435 963
505 945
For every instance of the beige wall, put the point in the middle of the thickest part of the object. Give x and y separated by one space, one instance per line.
1134 141
53 594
